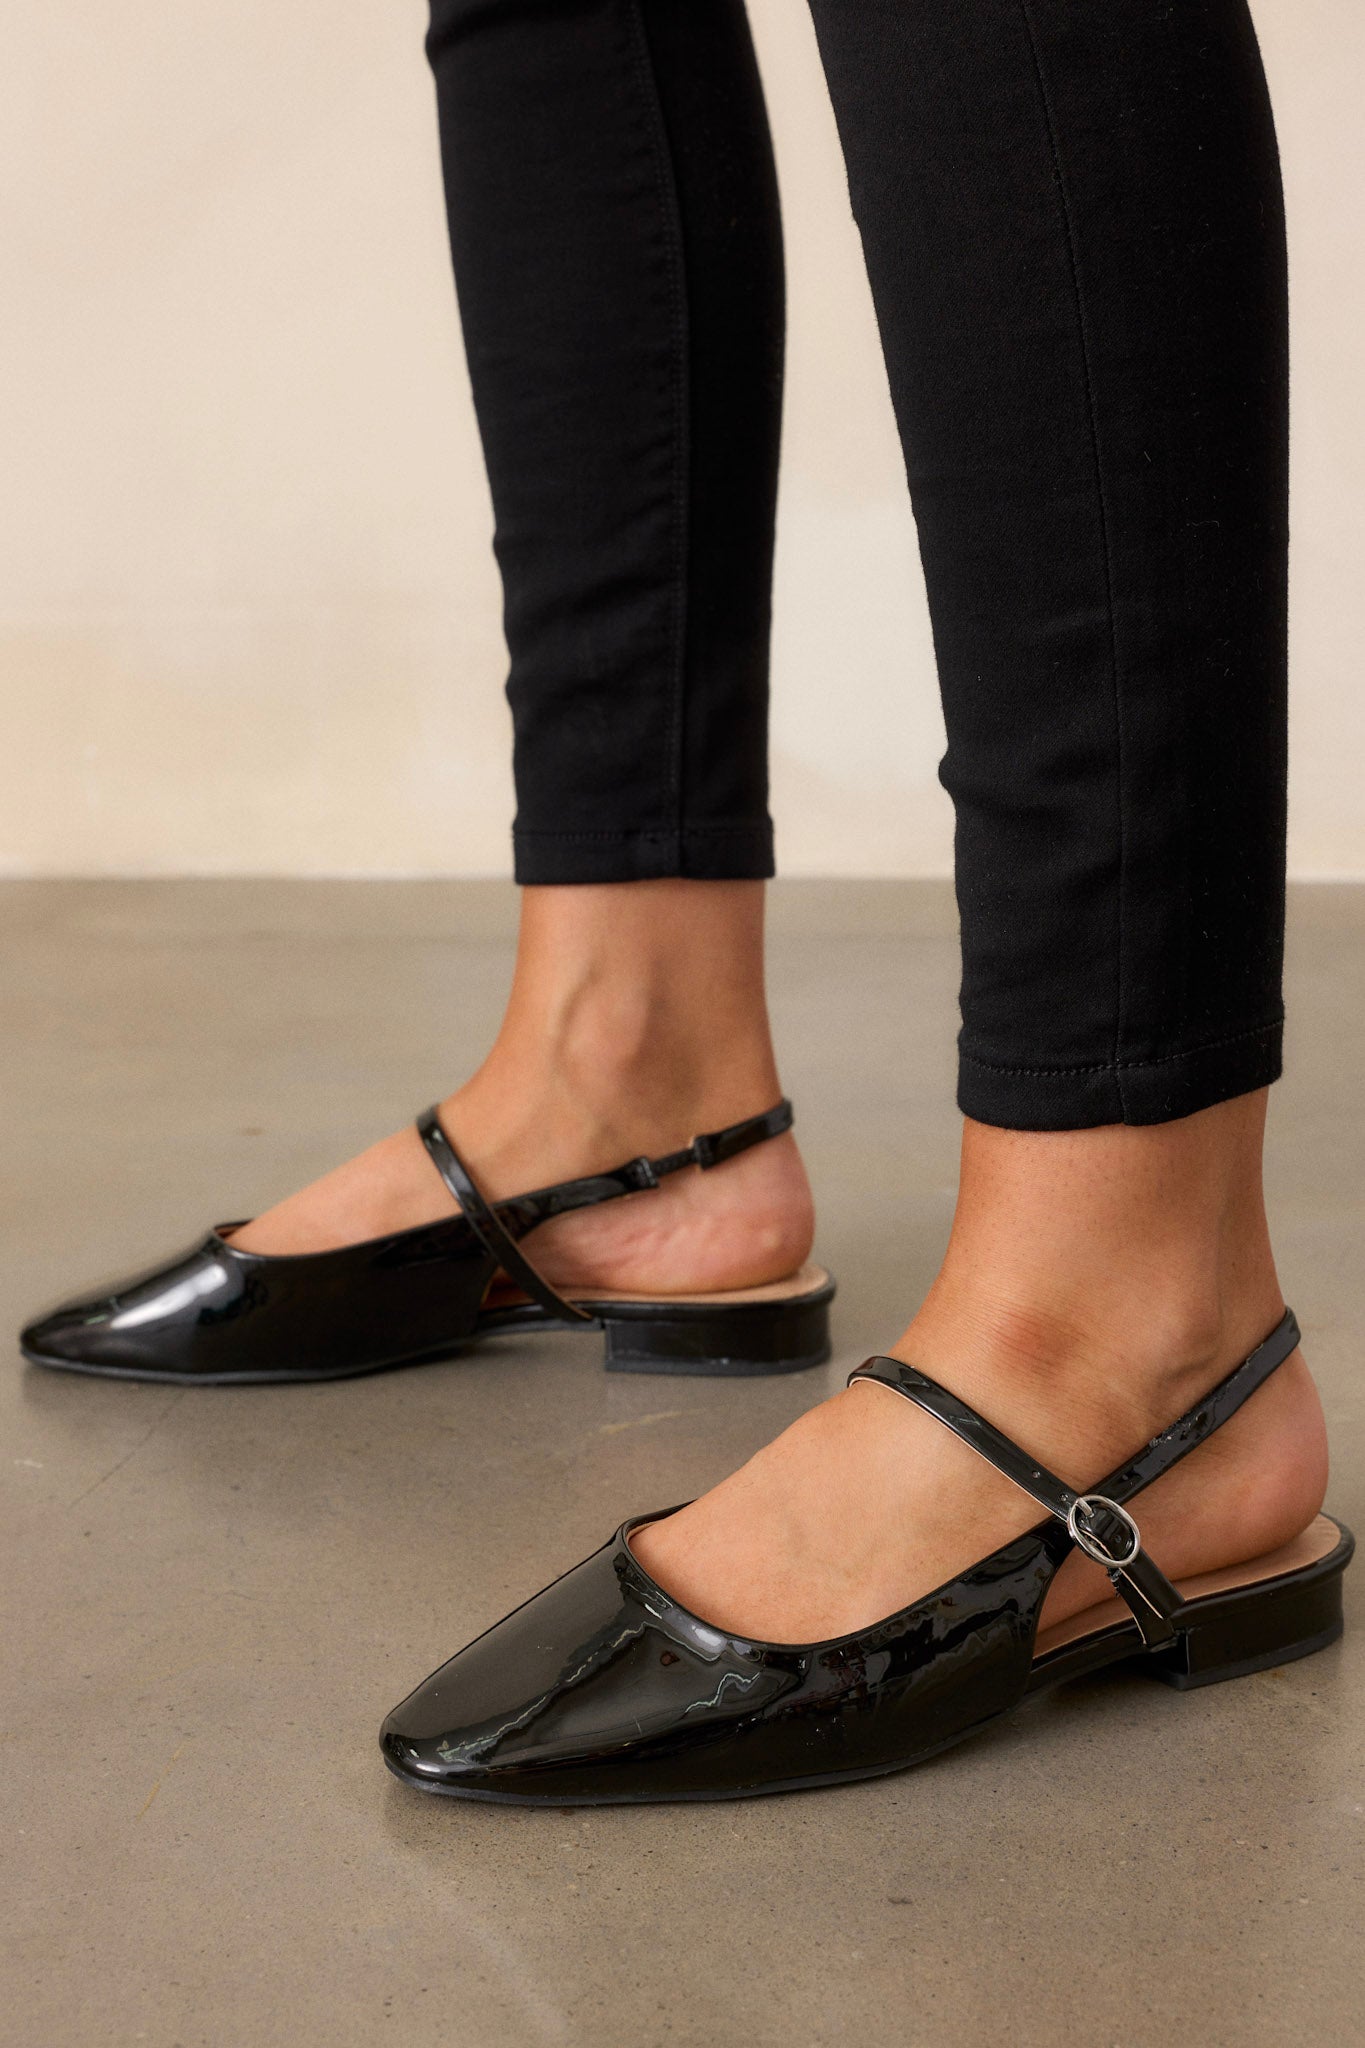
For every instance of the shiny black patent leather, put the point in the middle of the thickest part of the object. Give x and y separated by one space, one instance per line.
604 1689
217 1314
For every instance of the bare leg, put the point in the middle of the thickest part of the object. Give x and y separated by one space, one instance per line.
637 1017
1096 1283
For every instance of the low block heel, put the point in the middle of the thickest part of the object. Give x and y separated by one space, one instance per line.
1254 1628
733 1339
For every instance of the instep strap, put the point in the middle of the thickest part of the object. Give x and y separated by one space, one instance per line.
486 1225
1098 1520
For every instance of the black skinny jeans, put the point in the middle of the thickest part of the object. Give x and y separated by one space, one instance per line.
1072 220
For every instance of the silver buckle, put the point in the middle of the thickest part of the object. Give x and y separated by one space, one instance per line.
1089 1505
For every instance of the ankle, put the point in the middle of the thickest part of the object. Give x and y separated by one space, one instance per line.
1108 1278
1116 1367
641 1052
637 1014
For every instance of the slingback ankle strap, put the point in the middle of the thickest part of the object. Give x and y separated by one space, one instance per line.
498 1227
635 1176
1097 1519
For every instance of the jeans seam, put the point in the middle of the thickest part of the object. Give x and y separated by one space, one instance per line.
1168 1059
1106 545
682 457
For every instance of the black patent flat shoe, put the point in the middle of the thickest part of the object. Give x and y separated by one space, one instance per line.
219 1316
603 1690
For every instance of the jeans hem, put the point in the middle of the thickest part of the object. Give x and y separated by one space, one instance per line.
1155 1091
705 853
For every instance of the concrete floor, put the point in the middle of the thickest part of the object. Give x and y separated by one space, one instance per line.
213 1596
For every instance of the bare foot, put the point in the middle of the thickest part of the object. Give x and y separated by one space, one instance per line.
867 1503
1097 1284
741 1224
636 1020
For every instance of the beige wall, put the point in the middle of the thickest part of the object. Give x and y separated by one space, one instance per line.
247 606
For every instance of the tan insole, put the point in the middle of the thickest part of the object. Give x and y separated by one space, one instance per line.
1315 1542
806 1279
